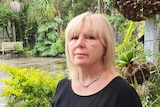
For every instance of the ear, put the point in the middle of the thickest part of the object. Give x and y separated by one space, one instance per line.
104 57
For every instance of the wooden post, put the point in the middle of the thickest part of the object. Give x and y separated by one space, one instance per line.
151 41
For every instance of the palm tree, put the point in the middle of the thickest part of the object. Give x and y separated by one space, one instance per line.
41 10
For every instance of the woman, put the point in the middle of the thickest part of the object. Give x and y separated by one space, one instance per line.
90 54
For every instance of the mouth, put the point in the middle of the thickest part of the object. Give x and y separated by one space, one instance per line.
80 54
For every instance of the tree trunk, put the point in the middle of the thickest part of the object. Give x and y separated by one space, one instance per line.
13 31
7 36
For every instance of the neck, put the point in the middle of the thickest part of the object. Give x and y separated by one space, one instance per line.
87 78
88 73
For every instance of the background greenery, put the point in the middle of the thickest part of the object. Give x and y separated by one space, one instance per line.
40 24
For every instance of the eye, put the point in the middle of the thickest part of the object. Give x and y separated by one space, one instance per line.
74 38
90 37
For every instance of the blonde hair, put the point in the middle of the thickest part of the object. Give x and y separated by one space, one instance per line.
99 25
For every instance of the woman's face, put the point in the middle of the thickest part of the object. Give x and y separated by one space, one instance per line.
85 49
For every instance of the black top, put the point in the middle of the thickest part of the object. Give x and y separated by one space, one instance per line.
118 93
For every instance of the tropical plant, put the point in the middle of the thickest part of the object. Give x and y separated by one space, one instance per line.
125 58
131 57
142 75
49 43
41 11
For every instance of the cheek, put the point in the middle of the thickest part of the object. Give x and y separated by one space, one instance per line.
100 50
70 50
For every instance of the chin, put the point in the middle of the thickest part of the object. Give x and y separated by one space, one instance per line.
80 63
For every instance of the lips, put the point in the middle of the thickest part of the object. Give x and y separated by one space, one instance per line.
80 54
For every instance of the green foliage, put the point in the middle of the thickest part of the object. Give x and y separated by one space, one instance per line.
119 23
155 94
125 58
110 3
29 87
18 48
6 15
49 43
71 8
149 91
130 49
60 45
41 10
129 32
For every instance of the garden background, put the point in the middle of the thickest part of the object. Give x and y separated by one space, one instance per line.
40 25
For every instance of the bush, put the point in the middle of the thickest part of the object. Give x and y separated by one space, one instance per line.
49 43
29 87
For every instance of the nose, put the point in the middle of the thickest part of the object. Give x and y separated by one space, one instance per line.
80 42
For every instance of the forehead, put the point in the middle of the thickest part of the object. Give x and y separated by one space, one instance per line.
86 24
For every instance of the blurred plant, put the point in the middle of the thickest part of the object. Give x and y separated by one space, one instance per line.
110 3
142 75
49 42
149 91
125 59
131 57
7 15
18 48
130 49
119 23
41 10
29 87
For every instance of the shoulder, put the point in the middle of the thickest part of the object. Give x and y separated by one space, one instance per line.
63 86
63 82
128 94
121 83
61 90
121 86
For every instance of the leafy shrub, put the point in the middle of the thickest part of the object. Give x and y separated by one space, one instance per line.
18 48
49 42
153 97
29 87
